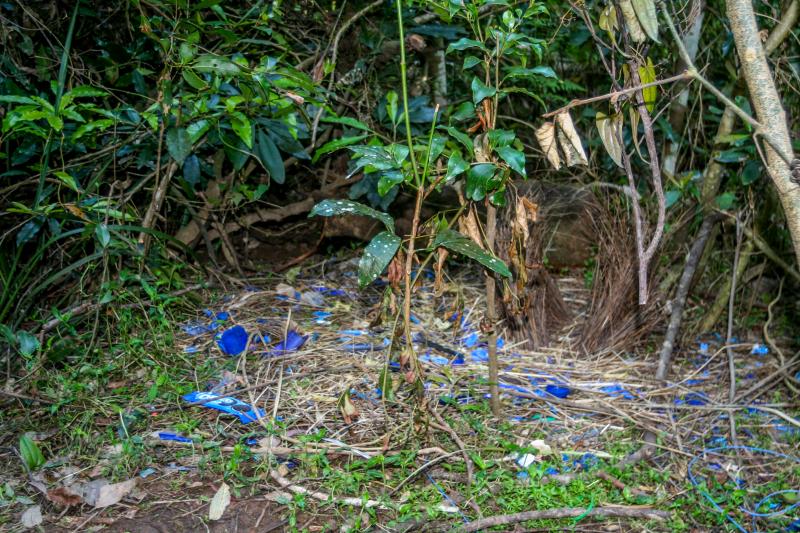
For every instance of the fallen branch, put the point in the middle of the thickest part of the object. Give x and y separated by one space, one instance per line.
566 512
678 303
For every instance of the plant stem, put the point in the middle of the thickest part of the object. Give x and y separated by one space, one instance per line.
404 83
491 312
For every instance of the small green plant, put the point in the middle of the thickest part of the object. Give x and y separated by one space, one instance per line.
32 457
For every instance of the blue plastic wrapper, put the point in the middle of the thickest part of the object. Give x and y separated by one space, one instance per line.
233 341
233 406
559 391
191 349
165 435
480 355
471 340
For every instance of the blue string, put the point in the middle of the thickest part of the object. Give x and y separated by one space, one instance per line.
447 497
719 509
773 513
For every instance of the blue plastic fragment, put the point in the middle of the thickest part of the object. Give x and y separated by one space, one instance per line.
165 435
361 347
470 340
292 343
693 398
233 341
559 391
191 349
147 472
480 355
617 391
435 359
195 328
759 349
233 406
703 347
353 332
550 471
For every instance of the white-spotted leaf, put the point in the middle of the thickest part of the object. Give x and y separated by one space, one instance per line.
377 256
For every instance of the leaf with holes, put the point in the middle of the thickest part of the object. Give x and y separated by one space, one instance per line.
456 242
377 256
329 208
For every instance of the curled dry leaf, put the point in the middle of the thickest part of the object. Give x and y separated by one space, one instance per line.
629 14
570 141
610 129
64 497
546 136
482 150
520 222
468 225
395 272
346 406
219 502
646 13
416 42
441 257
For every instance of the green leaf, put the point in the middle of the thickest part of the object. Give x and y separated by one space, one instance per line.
731 156
455 166
453 240
193 80
499 138
522 72
671 197
100 125
30 453
647 74
465 111
179 144
28 344
102 234
217 65
336 144
391 106
84 91
198 129
377 256
751 172
389 180
347 121
481 91
243 128
514 158
14 99
464 44
470 61
480 181
646 13
270 157
329 208
463 138
725 201
385 384
67 180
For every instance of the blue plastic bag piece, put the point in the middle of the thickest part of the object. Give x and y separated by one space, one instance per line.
292 343
233 406
794 526
191 349
559 391
480 355
164 435
500 343
696 398
147 472
759 349
459 360
692 382
516 388
361 347
471 340
414 319
550 471
233 341
394 365
224 315
703 347
617 391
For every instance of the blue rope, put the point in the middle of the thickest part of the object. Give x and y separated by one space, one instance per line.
707 496
447 497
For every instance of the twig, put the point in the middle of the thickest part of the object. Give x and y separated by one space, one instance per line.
731 300
326 498
421 469
602 474
762 245
616 94
787 378
566 512
444 426
678 303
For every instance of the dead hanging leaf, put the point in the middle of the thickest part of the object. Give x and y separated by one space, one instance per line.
646 13
416 42
629 15
346 406
570 141
396 269
318 72
532 208
519 226
610 129
441 257
468 225
546 135
296 98
608 21
647 74
219 502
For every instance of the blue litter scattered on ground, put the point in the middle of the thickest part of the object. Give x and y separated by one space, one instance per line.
616 391
292 343
233 341
147 472
191 349
233 406
759 349
428 357
165 435
559 391
480 355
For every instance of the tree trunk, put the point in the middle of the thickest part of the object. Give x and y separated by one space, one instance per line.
768 108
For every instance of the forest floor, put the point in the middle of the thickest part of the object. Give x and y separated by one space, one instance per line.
325 436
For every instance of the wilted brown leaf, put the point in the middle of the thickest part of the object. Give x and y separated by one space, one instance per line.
546 135
570 141
610 129
64 497
468 225
629 15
